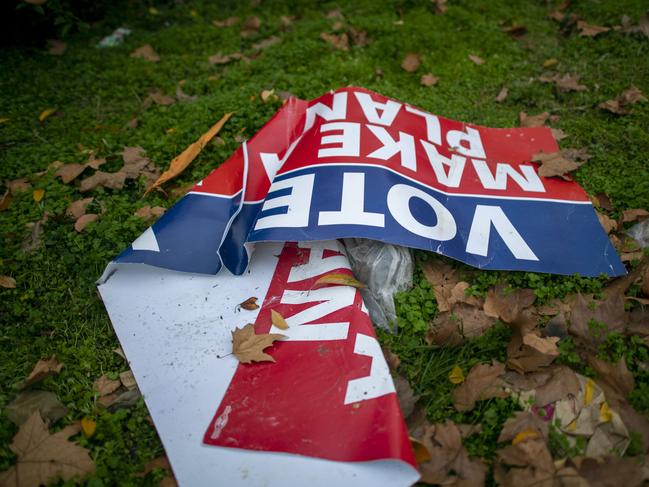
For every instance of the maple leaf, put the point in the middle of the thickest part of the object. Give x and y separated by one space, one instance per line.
411 62
44 457
481 383
248 347
559 163
567 82
620 104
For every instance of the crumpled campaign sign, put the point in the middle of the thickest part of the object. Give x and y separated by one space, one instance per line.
353 163
349 164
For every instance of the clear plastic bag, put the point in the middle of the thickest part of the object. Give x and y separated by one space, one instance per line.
386 269
640 232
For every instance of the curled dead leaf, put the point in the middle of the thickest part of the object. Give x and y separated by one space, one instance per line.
248 347
250 304
340 280
278 320
43 368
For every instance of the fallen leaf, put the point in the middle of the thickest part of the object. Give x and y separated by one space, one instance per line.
77 208
56 47
159 98
278 320
5 201
146 52
230 21
615 377
637 214
439 6
502 94
548 63
250 25
587 30
248 347
7 282
591 320
607 222
609 470
530 352
112 180
43 458
476 60
340 280
561 383
250 304
104 385
358 37
69 172
339 41
23 406
558 134
515 30
88 427
45 114
149 213
266 43
620 104
481 383
567 82
526 120
411 62
84 220
33 240
641 28
334 14
180 162
391 358
506 306
38 195
519 427
428 79
405 394
449 462
221 59
43 368
286 21
181 95
268 95
456 375
160 463
530 463
559 163
451 328
128 379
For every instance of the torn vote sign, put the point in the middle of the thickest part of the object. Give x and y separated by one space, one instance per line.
353 163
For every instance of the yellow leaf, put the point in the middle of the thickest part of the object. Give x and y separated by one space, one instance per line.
605 413
248 347
526 434
183 160
456 376
572 426
153 11
46 113
38 195
588 393
88 427
278 320
548 63
340 279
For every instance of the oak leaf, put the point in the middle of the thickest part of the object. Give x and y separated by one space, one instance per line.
180 162
248 347
44 458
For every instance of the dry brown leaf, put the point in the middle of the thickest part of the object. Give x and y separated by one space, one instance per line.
476 60
180 162
278 320
558 134
530 352
18 185
451 328
449 462
104 385
268 95
161 463
515 30
558 163
248 347
567 82
607 222
411 62
635 215
620 104
84 220
149 213
77 208
641 28
7 282
112 180
181 95
587 30
526 120
159 98
33 240
230 21
608 315
522 421
614 377
44 458
358 37
5 201
561 382
128 379
439 6
224 59
250 25
69 172
502 94
428 79
23 406
405 394
146 52
530 463
609 470
481 383
340 41
447 287
56 47
250 304
334 14
43 368
265 43
391 358
506 306
340 280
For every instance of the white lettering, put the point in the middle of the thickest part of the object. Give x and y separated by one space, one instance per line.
405 147
379 382
318 264
349 139
338 110
478 241
352 205
433 131
399 198
297 203
455 139
528 181
437 161
370 108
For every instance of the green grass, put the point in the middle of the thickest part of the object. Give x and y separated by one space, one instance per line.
55 309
